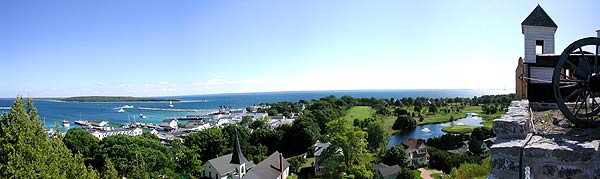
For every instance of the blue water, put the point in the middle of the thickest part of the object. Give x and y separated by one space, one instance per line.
53 112
435 130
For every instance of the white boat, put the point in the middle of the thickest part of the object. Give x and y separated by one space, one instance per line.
127 106
425 130
121 110
66 123
171 104
143 116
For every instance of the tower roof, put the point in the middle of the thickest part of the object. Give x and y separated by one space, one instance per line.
237 156
539 17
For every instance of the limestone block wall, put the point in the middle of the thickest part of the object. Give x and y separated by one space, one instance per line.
521 152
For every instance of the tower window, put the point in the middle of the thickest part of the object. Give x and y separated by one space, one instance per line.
539 47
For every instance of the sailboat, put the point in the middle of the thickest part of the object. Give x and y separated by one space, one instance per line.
171 104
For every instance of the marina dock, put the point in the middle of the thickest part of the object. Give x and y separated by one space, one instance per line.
178 110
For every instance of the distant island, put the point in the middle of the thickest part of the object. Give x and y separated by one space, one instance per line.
110 99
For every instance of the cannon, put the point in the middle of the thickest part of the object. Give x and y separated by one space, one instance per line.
576 82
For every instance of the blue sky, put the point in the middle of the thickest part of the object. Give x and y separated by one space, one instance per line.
159 48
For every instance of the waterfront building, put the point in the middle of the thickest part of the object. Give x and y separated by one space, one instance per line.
101 134
168 124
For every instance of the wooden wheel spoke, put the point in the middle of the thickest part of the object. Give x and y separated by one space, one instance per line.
568 86
572 94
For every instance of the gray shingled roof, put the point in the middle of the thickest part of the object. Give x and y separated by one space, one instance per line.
268 168
386 170
539 17
223 166
320 147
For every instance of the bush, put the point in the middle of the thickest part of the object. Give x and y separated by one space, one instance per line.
404 122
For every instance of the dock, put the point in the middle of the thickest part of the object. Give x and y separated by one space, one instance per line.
177 110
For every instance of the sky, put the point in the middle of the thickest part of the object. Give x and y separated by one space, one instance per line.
169 48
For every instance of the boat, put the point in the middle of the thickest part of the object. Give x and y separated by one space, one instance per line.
143 116
171 104
83 123
127 106
121 110
66 123
425 130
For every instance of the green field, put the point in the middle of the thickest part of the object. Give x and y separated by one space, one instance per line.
359 112
457 129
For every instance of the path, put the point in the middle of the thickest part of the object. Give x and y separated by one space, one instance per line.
425 174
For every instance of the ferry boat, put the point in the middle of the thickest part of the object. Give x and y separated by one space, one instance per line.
66 123
171 104
127 106
82 123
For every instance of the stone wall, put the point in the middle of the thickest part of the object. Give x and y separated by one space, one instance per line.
521 152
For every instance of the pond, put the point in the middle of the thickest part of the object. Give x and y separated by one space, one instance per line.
433 130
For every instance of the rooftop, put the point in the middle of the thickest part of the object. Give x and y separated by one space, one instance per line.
539 17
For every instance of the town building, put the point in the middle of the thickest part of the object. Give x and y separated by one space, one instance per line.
319 164
169 124
417 152
101 134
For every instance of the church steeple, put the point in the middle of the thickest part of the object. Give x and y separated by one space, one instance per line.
237 157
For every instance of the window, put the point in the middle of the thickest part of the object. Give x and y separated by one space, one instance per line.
539 47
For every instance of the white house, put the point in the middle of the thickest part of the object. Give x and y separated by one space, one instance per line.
417 152
119 131
169 124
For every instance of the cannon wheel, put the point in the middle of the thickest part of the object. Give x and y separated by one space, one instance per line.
576 83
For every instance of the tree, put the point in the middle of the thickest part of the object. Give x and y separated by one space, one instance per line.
395 156
360 172
26 152
258 124
475 146
404 122
400 111
351 140
209 143
109 171
405 173
303 134
273 112
246 120
126 151
267 137
376 135
82 142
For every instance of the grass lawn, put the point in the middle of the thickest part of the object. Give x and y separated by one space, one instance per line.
457 129
417 174
436 175
359 112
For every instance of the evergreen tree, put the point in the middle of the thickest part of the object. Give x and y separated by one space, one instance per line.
109 171
26 152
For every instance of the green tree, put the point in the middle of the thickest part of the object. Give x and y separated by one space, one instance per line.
209 143
475 146
273 112
82 142
395 156
246 120
351 140
404 122
303 134
258 124
26 152
377 136
360 172
405 173
109 171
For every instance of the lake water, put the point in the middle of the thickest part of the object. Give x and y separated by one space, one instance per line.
432 130
54 111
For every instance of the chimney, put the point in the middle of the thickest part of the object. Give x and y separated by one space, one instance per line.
281 165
